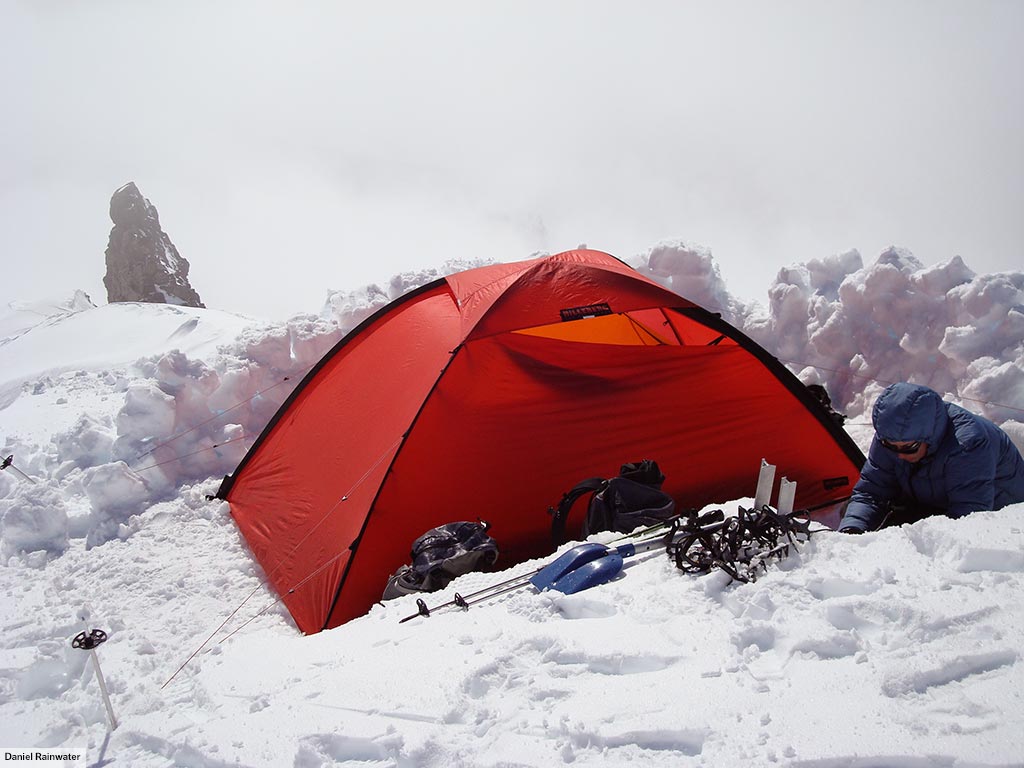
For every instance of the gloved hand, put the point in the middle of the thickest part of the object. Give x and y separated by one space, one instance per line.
851 529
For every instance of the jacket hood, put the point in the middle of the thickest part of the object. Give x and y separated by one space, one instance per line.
908 412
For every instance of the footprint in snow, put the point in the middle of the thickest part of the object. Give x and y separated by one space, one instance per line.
918 681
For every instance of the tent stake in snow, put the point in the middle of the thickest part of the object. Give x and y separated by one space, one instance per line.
765 481
9 462
88 642
787 493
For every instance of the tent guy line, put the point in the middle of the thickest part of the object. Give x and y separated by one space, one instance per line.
216 416
291 590
335 506
193 453
252 618
202 645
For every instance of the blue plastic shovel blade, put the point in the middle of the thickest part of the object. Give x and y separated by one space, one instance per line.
590 574
566 562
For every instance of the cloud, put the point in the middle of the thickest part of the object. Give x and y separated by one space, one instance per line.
283 142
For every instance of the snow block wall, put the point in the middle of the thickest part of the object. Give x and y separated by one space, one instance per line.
855 329
119 435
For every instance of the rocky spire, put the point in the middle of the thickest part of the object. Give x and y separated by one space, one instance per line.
142 262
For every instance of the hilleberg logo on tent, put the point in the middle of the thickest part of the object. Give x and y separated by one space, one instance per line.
583 313
832 483
470 388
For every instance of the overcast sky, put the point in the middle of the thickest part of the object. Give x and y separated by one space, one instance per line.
284 142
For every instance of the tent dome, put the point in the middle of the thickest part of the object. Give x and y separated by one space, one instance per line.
491 392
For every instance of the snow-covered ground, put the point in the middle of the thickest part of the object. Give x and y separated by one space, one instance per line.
896 648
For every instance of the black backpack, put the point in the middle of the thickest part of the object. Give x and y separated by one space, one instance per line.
620 504
441 554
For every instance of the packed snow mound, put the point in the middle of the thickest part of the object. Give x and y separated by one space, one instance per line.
121 405
690 271
34 519
856 329
88 338
910 635
152 398
348 308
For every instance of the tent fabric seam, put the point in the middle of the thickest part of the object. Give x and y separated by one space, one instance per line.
225 488
354 545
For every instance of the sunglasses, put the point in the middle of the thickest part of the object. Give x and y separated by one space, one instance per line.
904 450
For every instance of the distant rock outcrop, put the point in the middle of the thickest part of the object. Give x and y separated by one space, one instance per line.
142 262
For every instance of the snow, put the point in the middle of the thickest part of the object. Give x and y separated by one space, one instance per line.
895 648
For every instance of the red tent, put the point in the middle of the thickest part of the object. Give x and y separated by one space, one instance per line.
491 392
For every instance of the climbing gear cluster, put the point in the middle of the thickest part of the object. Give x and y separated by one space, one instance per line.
741 545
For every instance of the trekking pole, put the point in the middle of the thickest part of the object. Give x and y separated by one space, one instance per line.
538 579
666 523
88 642
464 601
9 462
478 597
592 564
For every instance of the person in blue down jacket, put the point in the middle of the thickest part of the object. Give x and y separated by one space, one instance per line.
930 457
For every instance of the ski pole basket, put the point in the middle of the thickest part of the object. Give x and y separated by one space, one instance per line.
89 640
